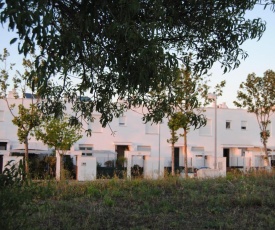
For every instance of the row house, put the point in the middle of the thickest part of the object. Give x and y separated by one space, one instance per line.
231 138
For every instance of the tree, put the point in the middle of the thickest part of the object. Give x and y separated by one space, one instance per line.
191 97
59 134
26 118
122 49
187 97
174 124
257 95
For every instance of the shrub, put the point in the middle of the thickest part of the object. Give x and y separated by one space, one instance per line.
14 196
109 163
13 174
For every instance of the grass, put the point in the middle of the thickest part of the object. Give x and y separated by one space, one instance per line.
235 202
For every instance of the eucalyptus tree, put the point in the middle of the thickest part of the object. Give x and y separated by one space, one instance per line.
257 95
59 134
26 115
125 49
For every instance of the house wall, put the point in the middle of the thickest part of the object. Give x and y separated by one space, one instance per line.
9 161
134 133
8 131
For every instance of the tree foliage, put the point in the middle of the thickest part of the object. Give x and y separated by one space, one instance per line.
190 96
59 134
125 49
26 116
174 124
257 95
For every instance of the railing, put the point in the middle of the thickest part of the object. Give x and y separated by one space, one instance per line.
236 161
244 162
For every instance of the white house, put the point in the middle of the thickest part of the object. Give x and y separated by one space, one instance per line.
236 142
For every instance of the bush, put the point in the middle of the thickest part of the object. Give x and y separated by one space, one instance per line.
14 196
109 163
69 167
13 174
137 171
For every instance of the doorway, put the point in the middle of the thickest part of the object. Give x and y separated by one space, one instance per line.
3 146
227 155
176 158
1 164
121 160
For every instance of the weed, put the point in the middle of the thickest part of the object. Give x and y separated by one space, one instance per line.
240 202
93 191
108 201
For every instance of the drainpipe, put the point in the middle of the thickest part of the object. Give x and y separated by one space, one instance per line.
159 151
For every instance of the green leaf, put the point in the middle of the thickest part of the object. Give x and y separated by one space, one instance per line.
13 41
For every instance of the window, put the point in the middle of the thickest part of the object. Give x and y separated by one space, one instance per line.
3 145
151 128
145 148
96 126
1 115
29 95
243 125
122 121
228 124
207 129
86 149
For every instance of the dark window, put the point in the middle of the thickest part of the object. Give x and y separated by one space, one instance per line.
29 95
227 124
3 145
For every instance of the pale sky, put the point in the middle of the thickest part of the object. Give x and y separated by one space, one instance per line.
261 57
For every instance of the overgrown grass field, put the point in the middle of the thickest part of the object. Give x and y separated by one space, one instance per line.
234 202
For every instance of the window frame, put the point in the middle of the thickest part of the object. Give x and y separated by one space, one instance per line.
227 124
86 149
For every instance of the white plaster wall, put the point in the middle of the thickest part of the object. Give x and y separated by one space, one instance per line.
153 167
134 134
11 160
86 167
8 131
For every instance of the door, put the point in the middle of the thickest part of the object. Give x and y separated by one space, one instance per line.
3 146
176 158
227 155
120 149
1 164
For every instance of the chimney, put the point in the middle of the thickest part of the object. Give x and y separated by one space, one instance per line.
13 94
223 106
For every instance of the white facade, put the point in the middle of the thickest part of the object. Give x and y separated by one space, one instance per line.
237 140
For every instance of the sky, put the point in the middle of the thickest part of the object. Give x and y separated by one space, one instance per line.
261 57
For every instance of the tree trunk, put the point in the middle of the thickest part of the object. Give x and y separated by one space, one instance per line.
266 161
26 157
173 159
62 173
58 165
185 153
